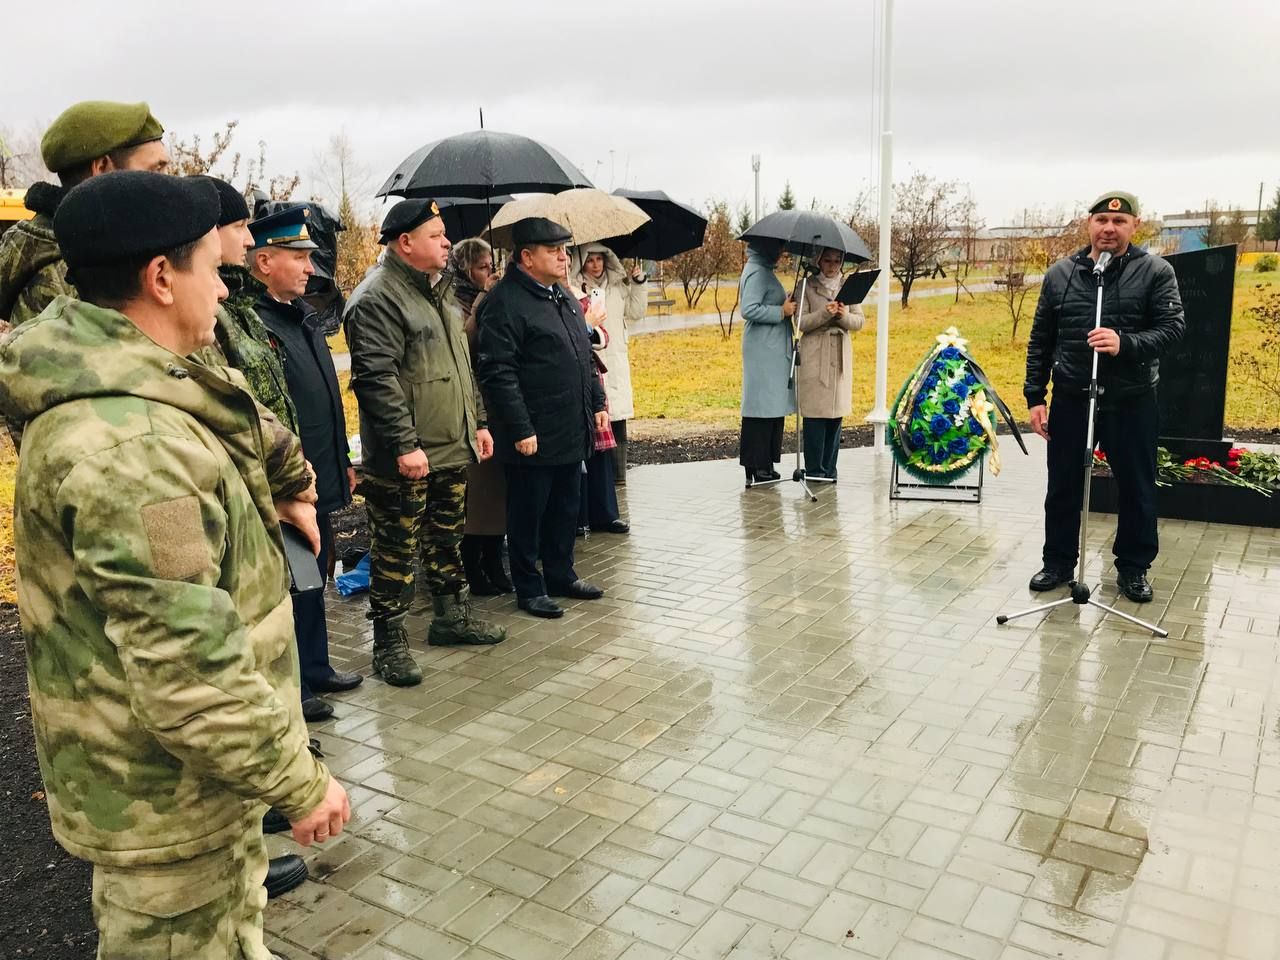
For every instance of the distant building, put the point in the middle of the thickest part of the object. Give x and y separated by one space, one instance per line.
1182 232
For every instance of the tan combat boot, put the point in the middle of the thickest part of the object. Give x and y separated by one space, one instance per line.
454 624
391 658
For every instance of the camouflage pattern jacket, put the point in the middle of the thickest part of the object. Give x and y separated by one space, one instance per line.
153 591
411 370
32 271
244 342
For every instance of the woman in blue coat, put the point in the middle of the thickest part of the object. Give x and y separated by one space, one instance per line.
766 362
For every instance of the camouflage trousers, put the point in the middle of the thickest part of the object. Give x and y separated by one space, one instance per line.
199 909
411 520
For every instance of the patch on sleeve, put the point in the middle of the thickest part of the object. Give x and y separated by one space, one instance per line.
175 533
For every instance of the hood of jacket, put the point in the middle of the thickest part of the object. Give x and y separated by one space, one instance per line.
614 274
76 350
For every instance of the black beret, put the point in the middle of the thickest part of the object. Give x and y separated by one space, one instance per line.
538 231
407 215
230 199
128 215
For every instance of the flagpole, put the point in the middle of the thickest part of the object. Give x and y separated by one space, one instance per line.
879 416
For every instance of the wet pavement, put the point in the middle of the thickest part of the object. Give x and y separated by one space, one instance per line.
794 730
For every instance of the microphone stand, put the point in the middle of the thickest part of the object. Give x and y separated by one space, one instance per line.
1081 594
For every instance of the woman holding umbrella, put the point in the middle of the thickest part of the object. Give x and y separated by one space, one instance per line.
767 397
824 376
593 266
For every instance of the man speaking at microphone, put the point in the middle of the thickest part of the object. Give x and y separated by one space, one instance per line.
1141 318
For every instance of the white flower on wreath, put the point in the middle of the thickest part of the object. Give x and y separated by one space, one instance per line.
951 338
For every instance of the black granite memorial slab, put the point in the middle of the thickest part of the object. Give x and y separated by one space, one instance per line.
1193 375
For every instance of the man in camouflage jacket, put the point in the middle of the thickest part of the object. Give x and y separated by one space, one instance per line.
152 586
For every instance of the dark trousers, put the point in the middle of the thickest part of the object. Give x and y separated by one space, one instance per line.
1127 434
309 626
821 446
599 504
760 445
542 512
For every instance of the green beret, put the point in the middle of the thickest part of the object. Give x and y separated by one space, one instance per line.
1117 201
129 215
88 130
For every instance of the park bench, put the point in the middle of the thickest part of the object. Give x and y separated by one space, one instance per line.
1014 280
663 306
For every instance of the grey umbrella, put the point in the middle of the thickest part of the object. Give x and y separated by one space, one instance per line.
806 233
483 164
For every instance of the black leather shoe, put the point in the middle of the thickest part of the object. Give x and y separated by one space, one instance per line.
541 607
578 590
614 526
1135 586
284 873
337 682
1050 578
314 710
273 821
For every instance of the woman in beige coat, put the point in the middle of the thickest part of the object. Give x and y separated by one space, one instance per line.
626 298
824 376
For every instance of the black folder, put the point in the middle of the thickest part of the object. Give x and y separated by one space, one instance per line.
304 571
857 286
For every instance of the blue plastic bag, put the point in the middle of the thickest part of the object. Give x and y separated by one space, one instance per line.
355 580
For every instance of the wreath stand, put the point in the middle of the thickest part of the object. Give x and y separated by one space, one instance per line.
909 488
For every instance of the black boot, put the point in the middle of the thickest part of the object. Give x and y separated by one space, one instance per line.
491 559
473 566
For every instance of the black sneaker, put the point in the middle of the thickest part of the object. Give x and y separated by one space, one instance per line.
1134 585
1050 578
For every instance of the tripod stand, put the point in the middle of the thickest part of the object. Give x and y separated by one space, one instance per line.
1081 594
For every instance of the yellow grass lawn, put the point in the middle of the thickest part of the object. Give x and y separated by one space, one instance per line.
696 375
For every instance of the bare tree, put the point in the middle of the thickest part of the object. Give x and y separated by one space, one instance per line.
20 163
339 173
1223 226
696 269
924 212
1023 256
724 254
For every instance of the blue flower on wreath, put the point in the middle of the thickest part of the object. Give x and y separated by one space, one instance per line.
959 446
975 427
938 454
930 381
918 440
970 380
951 407
949 353
961 389
939 424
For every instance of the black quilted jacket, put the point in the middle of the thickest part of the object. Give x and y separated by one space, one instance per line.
1140 300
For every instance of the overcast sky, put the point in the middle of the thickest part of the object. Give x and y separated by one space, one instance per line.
1031 103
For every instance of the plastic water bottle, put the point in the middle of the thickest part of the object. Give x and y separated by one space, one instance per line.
354 450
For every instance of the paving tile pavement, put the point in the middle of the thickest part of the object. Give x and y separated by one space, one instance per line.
794 730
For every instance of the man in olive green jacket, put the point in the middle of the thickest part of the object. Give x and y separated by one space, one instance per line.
152 587
421 425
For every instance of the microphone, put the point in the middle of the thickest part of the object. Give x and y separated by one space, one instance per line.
1100 267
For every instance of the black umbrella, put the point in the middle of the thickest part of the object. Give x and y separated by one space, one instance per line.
806 233
672 229
466 216
483 164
